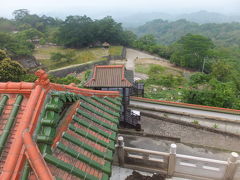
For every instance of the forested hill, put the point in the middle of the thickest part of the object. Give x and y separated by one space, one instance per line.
168 32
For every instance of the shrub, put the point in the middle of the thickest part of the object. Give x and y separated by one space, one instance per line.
199 78
56 56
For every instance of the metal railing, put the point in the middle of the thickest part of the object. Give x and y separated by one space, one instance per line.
178 165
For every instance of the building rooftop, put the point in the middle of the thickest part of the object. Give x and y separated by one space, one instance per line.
110 76
52 131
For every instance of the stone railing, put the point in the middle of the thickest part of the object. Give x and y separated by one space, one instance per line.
178 165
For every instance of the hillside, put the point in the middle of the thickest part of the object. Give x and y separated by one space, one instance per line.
54 57
201 17
168 32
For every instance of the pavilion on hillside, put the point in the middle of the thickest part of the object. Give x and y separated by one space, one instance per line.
115 78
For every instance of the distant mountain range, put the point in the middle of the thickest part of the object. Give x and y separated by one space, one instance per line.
167 32
200 17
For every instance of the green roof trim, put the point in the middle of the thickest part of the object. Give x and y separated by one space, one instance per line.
119 98
10 122
88 100
116 102
57 103
95 129
49 122
86 115
105 155
99 113
3 103
115 108
105 168
79 131
68 167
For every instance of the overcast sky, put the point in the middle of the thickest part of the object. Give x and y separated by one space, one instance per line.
104 7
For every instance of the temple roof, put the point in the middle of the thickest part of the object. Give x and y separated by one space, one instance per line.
52 131
110 76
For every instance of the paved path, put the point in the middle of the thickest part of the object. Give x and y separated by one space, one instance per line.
131 56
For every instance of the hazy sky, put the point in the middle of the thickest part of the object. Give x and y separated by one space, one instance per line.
103 7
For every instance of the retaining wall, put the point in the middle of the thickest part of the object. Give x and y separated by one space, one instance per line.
121 57
78 68
62 72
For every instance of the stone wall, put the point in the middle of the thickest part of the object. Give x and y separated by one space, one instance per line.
28 62
190 134
62 72
121 57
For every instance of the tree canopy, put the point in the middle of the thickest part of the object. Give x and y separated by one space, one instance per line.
82 31
192 51
168 32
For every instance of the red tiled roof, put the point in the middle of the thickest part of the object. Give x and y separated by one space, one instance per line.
108 76
59 130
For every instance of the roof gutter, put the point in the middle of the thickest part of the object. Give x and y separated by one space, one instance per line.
35 158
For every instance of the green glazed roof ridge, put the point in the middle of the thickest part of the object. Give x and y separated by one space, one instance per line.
108 155
94 128
51 117
49 121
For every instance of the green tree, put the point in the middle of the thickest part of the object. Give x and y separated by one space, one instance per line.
20 14
76 32
9 70
14 46
192 51
223 71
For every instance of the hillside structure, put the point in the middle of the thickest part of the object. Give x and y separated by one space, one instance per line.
116 78
52 131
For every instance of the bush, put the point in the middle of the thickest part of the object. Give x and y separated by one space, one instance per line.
67 57
199 78
65 80
10 70
56 56
166 80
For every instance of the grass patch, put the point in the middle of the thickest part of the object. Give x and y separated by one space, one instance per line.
144 68
162 93
43 55
115 50
164 83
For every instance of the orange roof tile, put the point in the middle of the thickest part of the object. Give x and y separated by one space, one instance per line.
109 76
